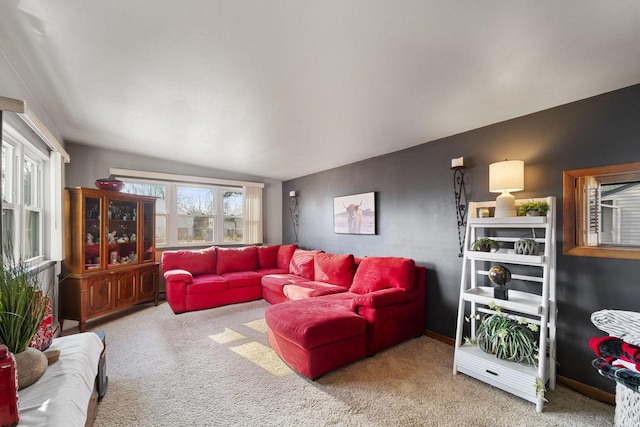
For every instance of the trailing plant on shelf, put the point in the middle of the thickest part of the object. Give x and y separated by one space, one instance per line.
507 337
533 208
484 244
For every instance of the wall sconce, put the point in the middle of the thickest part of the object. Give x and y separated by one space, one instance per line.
505 177
293 210
460 193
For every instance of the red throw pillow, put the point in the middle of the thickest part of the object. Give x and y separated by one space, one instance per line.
376 273
334 269
268 256
237 259
195 262
44 336
285 252
302 263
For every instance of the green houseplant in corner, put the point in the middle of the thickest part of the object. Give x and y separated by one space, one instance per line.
23 306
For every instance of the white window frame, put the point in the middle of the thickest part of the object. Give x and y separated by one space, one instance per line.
219 186
22 149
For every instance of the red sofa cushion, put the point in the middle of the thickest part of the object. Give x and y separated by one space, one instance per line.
314 322
237 259
276 282
285 252
268 256
239 279
302 263
334 269
207 284
195 262
268 271
302 290
376 273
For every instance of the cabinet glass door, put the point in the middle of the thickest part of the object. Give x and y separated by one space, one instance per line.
148 231
92 233
122 247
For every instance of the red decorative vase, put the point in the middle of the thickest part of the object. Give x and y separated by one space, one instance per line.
8 389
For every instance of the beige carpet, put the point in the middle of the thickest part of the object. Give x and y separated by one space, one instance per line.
215 368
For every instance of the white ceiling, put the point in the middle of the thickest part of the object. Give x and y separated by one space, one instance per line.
285 88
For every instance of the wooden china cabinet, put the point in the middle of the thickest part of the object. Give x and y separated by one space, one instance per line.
110 253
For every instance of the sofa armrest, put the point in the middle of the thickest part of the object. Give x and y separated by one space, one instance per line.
176 282
383 298
178 276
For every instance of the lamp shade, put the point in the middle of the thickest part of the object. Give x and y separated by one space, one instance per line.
506 176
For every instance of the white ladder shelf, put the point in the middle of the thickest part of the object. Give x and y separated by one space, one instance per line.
536 304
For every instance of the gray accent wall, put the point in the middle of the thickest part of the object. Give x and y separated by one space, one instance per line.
416 215
90 163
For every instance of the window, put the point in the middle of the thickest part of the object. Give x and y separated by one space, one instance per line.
198 213
602 211
22 196
195 214
233 211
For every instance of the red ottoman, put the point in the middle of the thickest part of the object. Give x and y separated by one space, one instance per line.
316 335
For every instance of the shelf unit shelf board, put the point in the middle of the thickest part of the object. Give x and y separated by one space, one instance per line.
507 256
510 222
523 302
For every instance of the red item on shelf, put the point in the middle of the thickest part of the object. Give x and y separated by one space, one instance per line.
8 389
109 184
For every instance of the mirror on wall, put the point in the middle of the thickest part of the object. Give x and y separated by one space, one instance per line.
601 211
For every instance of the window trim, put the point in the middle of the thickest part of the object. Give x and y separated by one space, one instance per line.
15 112
159 176
570 226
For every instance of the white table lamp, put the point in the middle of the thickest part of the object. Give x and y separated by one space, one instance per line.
505 177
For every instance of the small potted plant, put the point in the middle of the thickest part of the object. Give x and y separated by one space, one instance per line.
23 306
533 208
485 244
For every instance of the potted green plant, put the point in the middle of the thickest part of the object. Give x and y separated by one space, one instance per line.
23 306
484 244
533 208
507 337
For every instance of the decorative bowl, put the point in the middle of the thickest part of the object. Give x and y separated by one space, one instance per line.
109 184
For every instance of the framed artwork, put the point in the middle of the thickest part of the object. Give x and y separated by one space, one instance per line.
355 214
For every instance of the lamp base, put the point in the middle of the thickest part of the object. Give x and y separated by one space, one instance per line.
505 205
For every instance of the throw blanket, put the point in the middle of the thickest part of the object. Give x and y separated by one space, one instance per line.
622 376
612 348
621 324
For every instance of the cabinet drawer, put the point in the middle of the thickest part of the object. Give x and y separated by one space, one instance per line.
512 377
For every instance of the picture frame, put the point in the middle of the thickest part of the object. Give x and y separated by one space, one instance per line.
355 214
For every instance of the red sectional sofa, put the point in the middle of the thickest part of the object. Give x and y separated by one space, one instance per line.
383 306
328 309
195 280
